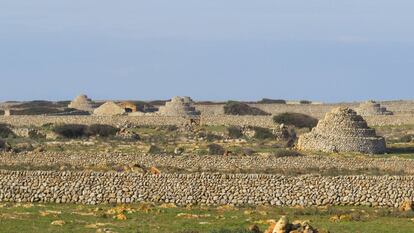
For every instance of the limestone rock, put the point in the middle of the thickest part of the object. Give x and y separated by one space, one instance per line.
342 130
109 109
81 102
407 205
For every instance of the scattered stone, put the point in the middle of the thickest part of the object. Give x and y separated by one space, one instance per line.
58 223
407 205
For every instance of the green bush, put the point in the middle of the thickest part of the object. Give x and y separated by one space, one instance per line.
5 131
296 119
101 130
2 144
305 102
242 109
406 138
215 149
286 153
262 133
234 132
71 130
154 150
271 101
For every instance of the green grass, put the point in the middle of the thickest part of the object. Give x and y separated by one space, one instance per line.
148 218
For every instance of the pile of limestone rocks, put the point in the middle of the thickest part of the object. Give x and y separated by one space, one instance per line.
342 130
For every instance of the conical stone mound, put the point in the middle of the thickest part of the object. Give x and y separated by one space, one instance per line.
372 108
81 102
178 106
342 130
109 109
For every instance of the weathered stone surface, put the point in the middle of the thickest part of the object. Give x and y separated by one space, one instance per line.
81 102
342 130
179 106
203 188
372 108
109 109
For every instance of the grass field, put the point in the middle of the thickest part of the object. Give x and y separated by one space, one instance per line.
142 218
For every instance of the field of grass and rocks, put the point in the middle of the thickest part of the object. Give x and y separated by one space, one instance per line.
206 150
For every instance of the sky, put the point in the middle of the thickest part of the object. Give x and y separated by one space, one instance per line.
321 50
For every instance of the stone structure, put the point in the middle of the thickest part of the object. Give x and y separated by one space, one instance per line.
82 102
342 130
109 109
128 106
208 189
7 112
179 106
372 108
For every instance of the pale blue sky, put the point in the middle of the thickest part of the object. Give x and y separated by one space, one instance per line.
208 49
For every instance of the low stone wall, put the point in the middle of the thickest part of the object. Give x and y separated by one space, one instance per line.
222 164
209 189
263 121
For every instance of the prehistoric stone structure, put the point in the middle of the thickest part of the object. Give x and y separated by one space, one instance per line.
178 107
81 102
109 109
128 106
342 130
372 108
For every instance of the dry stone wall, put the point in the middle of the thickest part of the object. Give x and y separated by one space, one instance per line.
223 164
263 121
209 189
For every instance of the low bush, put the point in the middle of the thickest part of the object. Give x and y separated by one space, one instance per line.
242 109
240 230
271 101
5 131
286 153
406 138
215 149
71 130
305 102
101 130
262 133
234 132
296 119
154 150
2 144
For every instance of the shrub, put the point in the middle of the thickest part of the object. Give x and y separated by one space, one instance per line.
5 131
406 138
234 132
271 101
242 109
286 153
71 130
2 144
154 150
215 149
210 137
296 119
305 102
262 133
101 130
1 112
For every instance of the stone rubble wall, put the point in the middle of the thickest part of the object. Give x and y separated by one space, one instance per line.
263 121
195 163
209 189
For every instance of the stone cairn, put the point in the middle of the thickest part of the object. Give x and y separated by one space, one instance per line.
372 108
342 130
81 102
179 106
